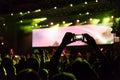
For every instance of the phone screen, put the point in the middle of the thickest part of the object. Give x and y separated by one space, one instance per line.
78 37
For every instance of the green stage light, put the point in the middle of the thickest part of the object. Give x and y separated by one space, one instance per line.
95 21
117 20
37 10
66 24
38 20
106 20
26 29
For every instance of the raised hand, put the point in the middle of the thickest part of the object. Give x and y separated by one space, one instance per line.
89 40
68 38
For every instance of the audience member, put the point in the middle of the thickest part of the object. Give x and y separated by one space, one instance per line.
33 64
10 69
27 74
21 64
2 73
75 67
63 76
43 73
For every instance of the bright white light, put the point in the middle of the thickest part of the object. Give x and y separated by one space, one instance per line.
51 23
63 22
21 13
21 21
37 10
71 5
77 21
28 12
39 19
4 24
87 13
11 14
2 43
96 1
36 24
91 19
55 7
86 2
112 17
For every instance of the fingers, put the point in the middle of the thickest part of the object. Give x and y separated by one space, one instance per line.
89 39
70 37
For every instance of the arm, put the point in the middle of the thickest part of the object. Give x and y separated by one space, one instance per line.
54 61
105 72
90 41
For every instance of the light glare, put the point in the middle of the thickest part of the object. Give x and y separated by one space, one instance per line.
86 2
11 14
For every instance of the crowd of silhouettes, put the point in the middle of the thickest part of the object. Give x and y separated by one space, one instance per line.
60 66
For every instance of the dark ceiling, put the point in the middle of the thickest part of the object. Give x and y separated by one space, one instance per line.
63 11
8 6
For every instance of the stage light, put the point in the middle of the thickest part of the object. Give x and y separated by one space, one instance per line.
117 20
36 24
86 2
11 14
77 21
4 24
51 23
96 1
37 20
55 26
91 19
21 21
63 22
80 14
40 26
20 13
37 10
32 26
101 49
95 21
85 22
71 5
67 24
112 17
26 29
55 7
2 43
106 20
87 13
28 12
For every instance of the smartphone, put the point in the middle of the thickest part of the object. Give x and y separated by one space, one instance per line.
78 37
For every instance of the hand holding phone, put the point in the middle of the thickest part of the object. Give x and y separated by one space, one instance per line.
78 37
